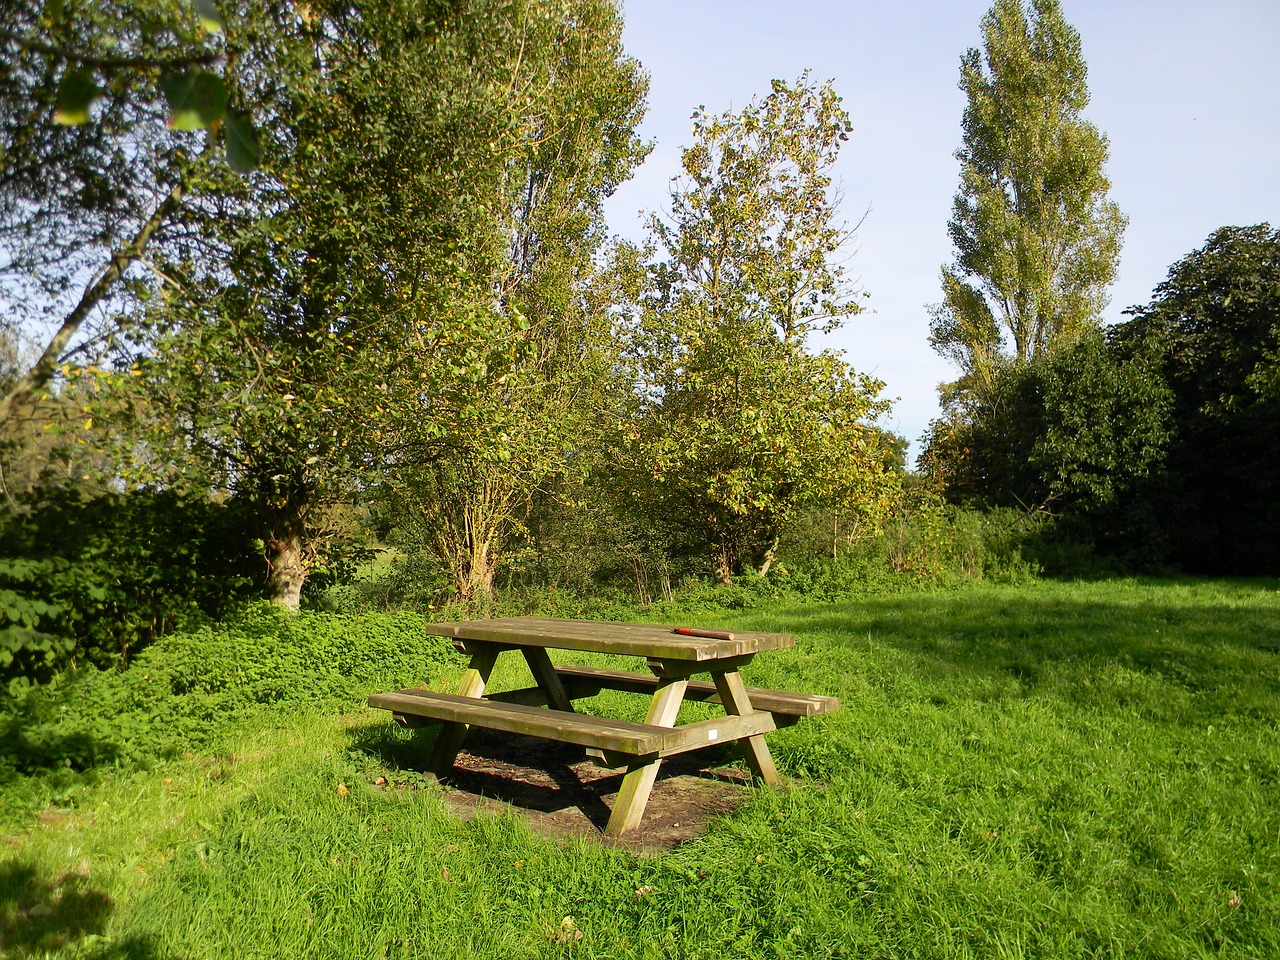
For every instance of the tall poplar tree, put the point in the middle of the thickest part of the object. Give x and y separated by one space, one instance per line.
1037 241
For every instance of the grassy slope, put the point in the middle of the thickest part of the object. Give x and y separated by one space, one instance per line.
1041 771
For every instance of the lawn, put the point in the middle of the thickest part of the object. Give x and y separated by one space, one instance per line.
1041 770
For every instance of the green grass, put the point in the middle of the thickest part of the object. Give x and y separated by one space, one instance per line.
1044 770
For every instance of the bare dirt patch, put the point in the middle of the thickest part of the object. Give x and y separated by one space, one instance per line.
560 793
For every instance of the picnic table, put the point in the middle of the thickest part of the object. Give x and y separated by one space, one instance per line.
674 656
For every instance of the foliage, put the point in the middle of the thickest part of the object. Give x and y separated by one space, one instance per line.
609 536
738 425
1216 318
188 690
1036 240
941 543
587 557
1154 446
1067 431
532 410
262 377
93 580
47 443
384 303
164 54
65 190
1212 329
91 178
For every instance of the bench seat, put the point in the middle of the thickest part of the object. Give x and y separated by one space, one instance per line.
638 740
786 707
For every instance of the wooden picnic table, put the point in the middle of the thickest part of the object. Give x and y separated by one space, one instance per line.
674 655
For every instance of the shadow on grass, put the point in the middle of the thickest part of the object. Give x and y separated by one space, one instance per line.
547 777
1215 649
33 747
388 744
39 916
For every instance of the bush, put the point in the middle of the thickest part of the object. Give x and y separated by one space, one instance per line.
191 687
942 543
96 579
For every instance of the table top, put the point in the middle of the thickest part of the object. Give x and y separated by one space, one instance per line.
633 639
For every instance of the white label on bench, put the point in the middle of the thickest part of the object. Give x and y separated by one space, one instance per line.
712 734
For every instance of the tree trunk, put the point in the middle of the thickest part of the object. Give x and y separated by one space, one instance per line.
724 564
474 577
288 571
770 555
286 552
466 513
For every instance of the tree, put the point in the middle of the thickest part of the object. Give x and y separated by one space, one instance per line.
1213 328
85 190
1067 432
1159 449
738 425
389 286
1037 242
535 410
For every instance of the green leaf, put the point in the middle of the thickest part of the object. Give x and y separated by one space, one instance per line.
243 152
198 100
209 16
76 93
53 11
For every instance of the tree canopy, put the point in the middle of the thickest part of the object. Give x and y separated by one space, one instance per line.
108 113
428 210
1212 331
739 424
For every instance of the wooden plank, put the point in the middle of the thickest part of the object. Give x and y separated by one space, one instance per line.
633 796
471 647
703 733
579 679
737 702
537 697
666 667
609 759
682 739
633 639
623 736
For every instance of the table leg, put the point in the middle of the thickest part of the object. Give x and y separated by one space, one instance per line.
736 701
628 809
544 674
449 741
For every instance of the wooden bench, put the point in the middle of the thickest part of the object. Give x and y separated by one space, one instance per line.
414 708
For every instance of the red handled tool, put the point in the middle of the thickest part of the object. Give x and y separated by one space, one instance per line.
708 634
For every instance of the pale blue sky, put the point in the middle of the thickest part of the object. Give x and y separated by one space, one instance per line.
1188 91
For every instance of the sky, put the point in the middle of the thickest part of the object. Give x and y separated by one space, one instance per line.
1187 92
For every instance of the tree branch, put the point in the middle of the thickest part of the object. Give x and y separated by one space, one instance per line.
203 58
42 370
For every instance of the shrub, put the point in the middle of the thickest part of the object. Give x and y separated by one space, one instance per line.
942 543
96 579
190 687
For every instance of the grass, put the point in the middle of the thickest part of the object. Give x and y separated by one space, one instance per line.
1043 770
